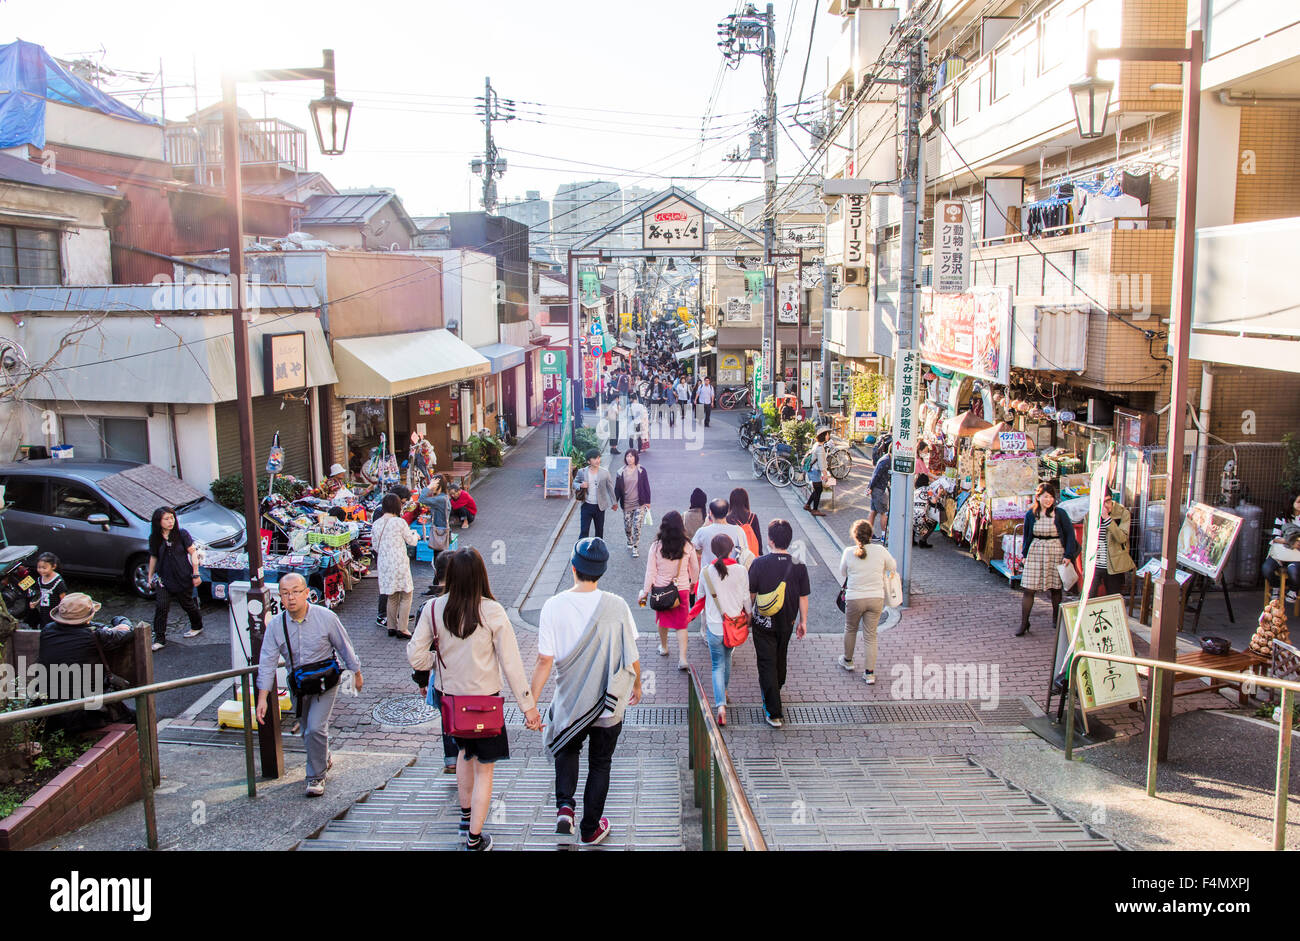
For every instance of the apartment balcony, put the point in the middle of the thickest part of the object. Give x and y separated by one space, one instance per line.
1244 310
263 142
862 37
1004 106
1251 46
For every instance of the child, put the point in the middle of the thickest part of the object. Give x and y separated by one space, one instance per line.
46 592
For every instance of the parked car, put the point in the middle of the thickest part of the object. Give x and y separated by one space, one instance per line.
94 515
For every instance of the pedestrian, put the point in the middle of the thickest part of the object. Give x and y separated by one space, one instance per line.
468 635
421 677
1113 559
307 635
1048 540
638 422
587 636
173 573
682 395
864 567
672 560
438 538
695 400
632 493
46 592
1282 554
612 414
657 400
817 472
705 397
389 537
463 507
698 513
739 514
703 538
725 593
594 488
72 644
779 590
879 487
403 494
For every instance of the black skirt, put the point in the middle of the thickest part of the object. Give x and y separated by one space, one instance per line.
485 750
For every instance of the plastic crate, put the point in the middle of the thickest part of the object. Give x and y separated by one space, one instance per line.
334 540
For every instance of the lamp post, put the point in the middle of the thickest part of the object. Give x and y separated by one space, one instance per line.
1091 102
331 117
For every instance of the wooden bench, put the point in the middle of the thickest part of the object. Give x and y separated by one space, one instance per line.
1233 662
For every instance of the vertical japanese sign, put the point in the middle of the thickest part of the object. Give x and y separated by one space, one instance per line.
856 221
907 369
787 307
951 247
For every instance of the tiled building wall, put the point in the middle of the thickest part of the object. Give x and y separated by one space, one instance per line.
1268 178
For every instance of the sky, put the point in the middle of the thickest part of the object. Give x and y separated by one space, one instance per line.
603 90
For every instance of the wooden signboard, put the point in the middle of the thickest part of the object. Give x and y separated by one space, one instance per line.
1104 630
555 482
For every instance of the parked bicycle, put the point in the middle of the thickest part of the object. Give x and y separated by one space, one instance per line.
750 428
734 398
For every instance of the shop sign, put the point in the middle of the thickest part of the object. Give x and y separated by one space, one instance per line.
556 477
907 382
864 423
684 314
673 223
589 364
968 332
739 310
1013 441
554 362
787 308
857 220
951 247
284 362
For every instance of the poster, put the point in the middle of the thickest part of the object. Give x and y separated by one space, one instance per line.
731 369
1206 538
739 310
969 332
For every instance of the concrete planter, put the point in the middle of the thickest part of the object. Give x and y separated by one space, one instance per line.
104 779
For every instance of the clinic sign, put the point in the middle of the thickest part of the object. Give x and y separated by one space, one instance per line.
907 369
857 219
951 247
673 223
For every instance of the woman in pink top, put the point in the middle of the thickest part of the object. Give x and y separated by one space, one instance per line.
672 559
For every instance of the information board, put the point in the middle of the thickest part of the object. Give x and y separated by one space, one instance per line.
555 481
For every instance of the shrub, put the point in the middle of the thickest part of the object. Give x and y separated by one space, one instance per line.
770 421
229 490
798 434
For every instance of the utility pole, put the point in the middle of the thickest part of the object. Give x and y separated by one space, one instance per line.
902 484
491 166
752 32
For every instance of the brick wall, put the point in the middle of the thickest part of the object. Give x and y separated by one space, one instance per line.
104 779
1272 191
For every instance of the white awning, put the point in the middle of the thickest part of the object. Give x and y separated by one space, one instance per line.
502 356
190 359
391 366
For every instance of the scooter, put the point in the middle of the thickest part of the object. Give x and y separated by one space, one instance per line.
16 577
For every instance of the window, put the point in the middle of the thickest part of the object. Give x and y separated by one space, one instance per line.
117 439
25 494
74 502
29 256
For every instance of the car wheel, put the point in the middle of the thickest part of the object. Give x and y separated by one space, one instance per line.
137 574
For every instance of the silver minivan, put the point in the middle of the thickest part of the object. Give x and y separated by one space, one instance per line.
95 515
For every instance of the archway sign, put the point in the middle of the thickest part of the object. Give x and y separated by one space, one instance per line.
672 222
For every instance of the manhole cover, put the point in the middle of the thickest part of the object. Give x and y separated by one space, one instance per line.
404 710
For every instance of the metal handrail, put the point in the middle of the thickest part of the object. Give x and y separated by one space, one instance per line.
144 734
716 783
1158 668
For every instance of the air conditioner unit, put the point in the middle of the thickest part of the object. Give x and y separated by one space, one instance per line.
855 275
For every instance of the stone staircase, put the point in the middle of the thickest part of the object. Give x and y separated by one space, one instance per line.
927 803
418 809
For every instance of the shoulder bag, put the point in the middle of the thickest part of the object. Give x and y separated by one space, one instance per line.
310 679
735 628
893 589
770 603
439 538
667 597
840 601
467 716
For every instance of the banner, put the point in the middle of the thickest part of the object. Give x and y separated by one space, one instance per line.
739 310
968 332
907 368
787 307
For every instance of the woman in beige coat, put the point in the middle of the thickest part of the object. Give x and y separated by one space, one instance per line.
1113 559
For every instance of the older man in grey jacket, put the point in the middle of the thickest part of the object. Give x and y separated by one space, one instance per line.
306 633
595 488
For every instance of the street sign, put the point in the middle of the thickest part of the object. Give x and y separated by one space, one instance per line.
864 423
554 363
952 247
907 367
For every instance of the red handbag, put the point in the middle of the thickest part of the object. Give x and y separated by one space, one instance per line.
468 716
735 627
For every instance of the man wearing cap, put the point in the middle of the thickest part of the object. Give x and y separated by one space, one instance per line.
588 637
595 488
305 633
72 640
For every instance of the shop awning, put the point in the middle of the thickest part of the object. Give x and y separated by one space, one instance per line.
189 360
391 366
502 356
621 351
690 354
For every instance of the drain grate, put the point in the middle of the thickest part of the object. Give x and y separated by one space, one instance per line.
912 712
404 711
906 713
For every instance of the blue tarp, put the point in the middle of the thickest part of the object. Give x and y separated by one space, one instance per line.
29 77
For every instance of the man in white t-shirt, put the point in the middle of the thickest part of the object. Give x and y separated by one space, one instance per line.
595 666
703 540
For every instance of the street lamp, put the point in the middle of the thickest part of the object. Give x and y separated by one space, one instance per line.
1091 103
1091 99
330 117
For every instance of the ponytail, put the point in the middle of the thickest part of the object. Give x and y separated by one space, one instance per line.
862 533
721 546
721 567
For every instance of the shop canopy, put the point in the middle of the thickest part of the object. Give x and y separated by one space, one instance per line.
690 354
964 425
987 438
502 356
392 366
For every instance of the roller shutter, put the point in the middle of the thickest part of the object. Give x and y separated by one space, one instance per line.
293 422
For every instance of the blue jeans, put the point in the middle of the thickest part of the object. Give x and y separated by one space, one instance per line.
720 658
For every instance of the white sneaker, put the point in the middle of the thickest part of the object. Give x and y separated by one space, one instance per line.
869 678
315 788
844 664
663 651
